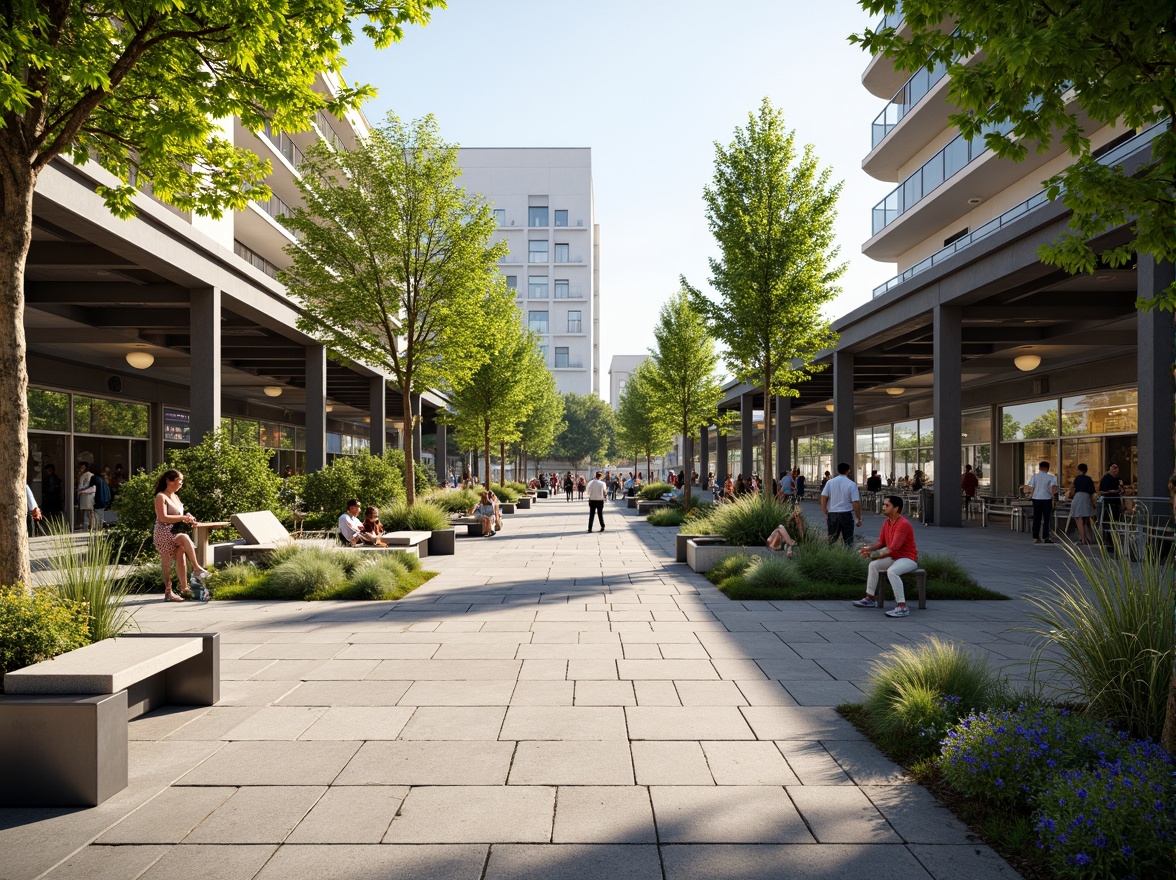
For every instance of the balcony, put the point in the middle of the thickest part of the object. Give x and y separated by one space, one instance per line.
571 291
275 207
284 145
568 258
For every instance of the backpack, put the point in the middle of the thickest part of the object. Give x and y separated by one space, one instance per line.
101 492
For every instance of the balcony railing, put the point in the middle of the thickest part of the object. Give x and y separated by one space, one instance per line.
274 206
254 259
574 291
904 99
1119 153
568 258
284 145
328 131
568 365
894 19
575 327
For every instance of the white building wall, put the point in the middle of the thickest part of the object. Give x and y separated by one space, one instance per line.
619 370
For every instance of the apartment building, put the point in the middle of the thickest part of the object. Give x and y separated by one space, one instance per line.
542 199
976 352
151 332
620 368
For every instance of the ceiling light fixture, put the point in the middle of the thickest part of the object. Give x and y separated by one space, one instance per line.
1027 362
272 390
140 360
895 390
829 407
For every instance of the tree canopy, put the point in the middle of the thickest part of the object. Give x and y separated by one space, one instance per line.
394 265
142 88
588 431
1060 71
545 421
642 428
771 210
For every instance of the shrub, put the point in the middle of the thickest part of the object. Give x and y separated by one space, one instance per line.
37 625
453 500
90 575
729 566
425 476
306 573
1109 820
374 582
220 479
1106 627
373 479
946 568
667 516
1007 756
505 494
917 692
772 573
654 491
521 488
425 517
745 522
832 563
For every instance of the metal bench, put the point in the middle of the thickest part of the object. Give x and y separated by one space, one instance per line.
63 722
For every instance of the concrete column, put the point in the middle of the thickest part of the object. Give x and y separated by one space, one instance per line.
316 408
442 442
948 360
155 451
842 409
378 409
746 427
415 403
1154 359
205 324
783 436
703 453
722 467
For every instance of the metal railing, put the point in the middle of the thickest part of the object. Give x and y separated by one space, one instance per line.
913 91
328 131
274 206
283 144
254 259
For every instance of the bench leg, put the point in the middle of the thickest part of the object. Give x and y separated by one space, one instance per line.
921 578
196 681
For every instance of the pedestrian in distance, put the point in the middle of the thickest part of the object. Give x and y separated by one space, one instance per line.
1082 505
841 503
1043 488
969 483
596 491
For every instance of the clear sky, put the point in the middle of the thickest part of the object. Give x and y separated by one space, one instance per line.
649 85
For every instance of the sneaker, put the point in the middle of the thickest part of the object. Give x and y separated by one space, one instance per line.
867 602
899 612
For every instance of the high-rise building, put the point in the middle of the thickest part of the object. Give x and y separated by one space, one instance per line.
620 368
542 199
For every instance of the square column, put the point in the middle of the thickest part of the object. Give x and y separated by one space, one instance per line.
948 359
783 436
746 424
205 330
703 453
378 411
316 408
722 468
842 409
1154 359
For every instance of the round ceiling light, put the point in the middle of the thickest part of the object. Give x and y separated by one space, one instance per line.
895 390
829 407
140 360
1027 362
272 390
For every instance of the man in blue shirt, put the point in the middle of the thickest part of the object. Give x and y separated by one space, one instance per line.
842 505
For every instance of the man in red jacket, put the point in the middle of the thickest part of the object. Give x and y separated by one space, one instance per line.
893 553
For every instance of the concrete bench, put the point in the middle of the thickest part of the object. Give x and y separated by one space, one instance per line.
419 540
262 531
473 525
920 577
63 722
645 506
524 502
680 544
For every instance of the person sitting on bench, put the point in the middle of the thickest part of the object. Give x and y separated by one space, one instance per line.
894 553
351 528
484 510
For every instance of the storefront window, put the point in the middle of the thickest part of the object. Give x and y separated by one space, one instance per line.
113 418
1103 412
48 410
1029 421
976 427
176 426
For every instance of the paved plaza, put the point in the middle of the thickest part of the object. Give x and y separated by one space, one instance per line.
554 704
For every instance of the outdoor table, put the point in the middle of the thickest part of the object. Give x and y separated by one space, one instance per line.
200 534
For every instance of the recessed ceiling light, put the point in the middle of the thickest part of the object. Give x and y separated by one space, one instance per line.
974 201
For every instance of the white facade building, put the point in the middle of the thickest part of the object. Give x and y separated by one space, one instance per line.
619 370
542 198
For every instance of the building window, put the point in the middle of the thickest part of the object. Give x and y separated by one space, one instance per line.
543 351
561 218
500 216
574 322
561 356
537 251
537 216
562 289
537 287
537 322
562 254
512 282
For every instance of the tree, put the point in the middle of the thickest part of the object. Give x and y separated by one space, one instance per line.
771 211
642 428
589 425
1060 71
494 401
545 421
683 384
394 264
139 88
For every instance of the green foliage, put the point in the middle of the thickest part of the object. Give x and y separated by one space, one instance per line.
89 574
745 522
643 431
667 516
421 517
37 625
319 573
773 574
832 563
683 381
1013 71
504 493
772 212
917 692
372 479
545 422
1105 633
654 491
728 567
946 568
589 429
424 476
304 574
394 263
453 500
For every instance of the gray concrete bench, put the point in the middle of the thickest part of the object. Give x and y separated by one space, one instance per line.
920 577
63 722
524 502
645 506
473 525
400 540
263 533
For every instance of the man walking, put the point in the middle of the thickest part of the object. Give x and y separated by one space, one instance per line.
1110 493
596 492
842 505
969 483
1044 486
894 553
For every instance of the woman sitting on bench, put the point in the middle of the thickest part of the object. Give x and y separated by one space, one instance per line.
484 509
351 530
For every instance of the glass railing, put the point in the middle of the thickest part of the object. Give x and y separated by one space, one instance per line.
254 259
274 206
573 291
893 19
569 365
575 327
283 144
904 99
328 131
1119 153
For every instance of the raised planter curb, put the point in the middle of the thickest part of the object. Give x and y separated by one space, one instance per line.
704 556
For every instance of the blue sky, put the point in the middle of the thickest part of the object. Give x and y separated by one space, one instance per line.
649 85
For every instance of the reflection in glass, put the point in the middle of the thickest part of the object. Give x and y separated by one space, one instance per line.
1101 412
48 410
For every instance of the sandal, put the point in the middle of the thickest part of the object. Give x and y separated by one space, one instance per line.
169 596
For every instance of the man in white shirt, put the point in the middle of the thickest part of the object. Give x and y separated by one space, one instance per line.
32 509
1044 488
842 505
596 495
787 490
351 527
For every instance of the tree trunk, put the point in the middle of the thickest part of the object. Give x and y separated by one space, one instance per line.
409 432
502 462
16 229
766 482
486 445
688 472
1168 737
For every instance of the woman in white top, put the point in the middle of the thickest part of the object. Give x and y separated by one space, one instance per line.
169 513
